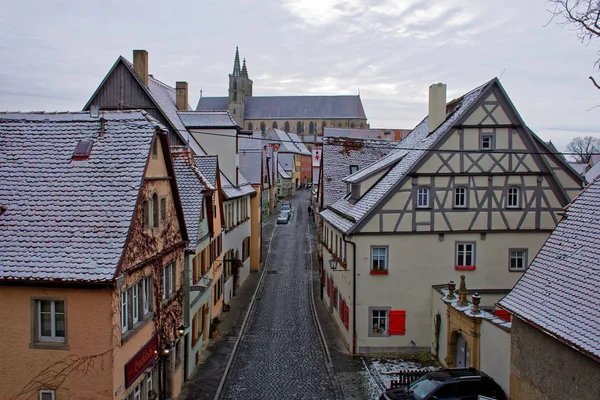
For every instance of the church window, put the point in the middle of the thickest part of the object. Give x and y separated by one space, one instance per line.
311 128
275 124
361 125
299 127
323 126
263 127
286 127
250 126
340 125
352 125
234 92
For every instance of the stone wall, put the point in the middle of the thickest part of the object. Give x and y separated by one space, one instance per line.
544 368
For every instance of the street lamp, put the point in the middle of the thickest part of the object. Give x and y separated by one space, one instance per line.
333 264
181 329
164 356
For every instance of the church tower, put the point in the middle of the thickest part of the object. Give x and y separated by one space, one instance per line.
240 87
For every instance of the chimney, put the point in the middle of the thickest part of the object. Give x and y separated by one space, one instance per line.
182 96
437 106
140 64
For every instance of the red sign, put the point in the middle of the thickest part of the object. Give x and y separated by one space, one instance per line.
140 361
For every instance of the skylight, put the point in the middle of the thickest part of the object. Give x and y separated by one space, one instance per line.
83 150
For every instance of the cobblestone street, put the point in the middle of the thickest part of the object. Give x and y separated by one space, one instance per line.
281 353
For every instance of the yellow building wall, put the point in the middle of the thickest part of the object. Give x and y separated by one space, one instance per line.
88 335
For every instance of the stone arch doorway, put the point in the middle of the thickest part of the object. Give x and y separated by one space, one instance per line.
462 353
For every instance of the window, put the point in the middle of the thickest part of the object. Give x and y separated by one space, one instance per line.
47 394
149 384
124 311
263 127
163 208
147 293
423 197
137 392
250 126
155 148
512 197
379 322
275 124
379 259
136 303
311 128
155 210
168 280
487 142
460 197
50 320
286 126
146 214
353 169
518 260
334 298
465 256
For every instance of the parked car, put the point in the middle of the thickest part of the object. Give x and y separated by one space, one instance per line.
449 384
283 218
287 207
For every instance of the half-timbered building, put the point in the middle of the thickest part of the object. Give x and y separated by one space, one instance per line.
470 189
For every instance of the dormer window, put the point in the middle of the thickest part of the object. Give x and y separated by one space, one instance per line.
155 149
423 197
83 150
353 169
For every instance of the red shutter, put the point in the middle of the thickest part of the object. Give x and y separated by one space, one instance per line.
346 316
397 322
328 287
203 262
195 272
342 309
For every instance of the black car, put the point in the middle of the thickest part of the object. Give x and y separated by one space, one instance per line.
449 384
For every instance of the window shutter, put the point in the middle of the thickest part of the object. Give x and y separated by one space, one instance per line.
145 215
328 287
342 309
195 268
346 316
397 322
203 262
194 332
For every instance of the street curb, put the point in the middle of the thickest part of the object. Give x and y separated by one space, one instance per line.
329 362
243 327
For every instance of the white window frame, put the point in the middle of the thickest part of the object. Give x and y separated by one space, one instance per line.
464 195
168 280
517 254
489 136
513 200
353 169
423 193
47 391
383 314
147 293
464 252
137 392
135 292
53 337
385 258
124 311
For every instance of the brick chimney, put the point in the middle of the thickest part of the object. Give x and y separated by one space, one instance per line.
437 106
182 96
140 64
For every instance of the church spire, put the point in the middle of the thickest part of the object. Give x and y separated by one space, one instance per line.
245 70
236 63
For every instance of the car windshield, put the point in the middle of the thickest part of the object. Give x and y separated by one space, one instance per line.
285 206
422 387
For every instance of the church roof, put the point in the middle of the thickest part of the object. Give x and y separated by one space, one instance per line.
292 107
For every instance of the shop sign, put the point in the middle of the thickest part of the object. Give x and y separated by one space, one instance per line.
140 361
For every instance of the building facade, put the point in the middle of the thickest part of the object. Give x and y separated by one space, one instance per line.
470 189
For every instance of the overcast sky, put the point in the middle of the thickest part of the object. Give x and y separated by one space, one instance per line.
55 53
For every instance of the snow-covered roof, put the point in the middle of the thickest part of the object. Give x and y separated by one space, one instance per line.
191 183
593 172
68 220
409 151
286 144
287 161
292 107
282 172
251 156
578 167
299 145
207 119
560 291
339 154
232 191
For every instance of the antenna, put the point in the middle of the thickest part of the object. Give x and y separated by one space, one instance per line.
500 77
200 92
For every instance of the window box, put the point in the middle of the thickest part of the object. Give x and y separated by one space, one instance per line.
465 268
379 272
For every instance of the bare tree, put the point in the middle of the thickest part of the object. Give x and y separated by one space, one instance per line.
584 16
582 148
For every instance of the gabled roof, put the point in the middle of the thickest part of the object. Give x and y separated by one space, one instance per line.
560 291
284 174
299 145
251 156
287 161
65 220
347 215
164 98
207 119
192 184
231 191
288 142
593 173
337 157
292 107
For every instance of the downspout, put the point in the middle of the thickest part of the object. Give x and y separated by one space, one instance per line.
353 292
